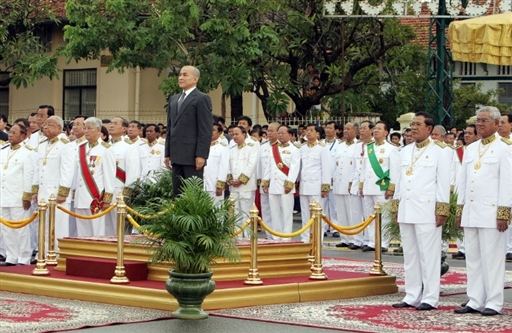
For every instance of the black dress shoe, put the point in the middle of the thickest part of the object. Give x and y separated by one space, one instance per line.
464 304
33 261
384 249
2 258
459 256
424 307
401 305
489 312
353 247
508 257
465 310
368 249
336 234
6 264
342 245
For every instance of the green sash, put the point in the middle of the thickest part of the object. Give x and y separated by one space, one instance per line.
383 181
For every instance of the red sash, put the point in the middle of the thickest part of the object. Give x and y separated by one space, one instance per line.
120 174
96 203
460 153
279 162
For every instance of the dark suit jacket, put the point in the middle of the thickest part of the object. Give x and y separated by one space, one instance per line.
5 137
189 131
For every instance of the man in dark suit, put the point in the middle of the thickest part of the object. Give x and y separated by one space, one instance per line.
3 123
189 129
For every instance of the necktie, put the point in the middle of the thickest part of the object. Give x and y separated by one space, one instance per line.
181 99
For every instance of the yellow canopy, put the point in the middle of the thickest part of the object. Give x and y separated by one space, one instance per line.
486 39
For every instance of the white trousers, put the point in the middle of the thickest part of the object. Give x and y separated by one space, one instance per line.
243 204
216 199
265 214
357 216
508 238
281 209
344 215
305 200
422 263
87 228
369 202
34 227
16 241
330 210
485 267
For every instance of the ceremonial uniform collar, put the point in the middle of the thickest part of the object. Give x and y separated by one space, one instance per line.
330 141
52 141
311 145
213 143
380 143
151 144
116 140
348 143
242 145
93 144
81 139
15 147
488 139
284 145
423 144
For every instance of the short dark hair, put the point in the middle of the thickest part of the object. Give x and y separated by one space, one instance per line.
23 129
104 131
429 119
24 121
249 120
371 125
218 127
473 126
157 128
107 121
32 114
386 125
124 121
51 109
80 116
332 122
3 117
244 131
450 134
509 116
139 125
232 126
395 134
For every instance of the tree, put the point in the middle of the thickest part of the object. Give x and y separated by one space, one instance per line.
23 53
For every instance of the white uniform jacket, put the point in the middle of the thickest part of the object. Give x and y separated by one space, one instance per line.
102 164
485 183
315 171
274 177
243 161
263 161
345 167
423 182
55 167
16 174
127 160
217 165
387 155
154 155
359 161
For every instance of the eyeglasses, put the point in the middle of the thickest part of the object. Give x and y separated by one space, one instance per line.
416 124
482 120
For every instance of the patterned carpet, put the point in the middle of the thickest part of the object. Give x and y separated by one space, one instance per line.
375 314
28 313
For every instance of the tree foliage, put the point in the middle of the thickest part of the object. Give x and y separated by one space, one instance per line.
23 53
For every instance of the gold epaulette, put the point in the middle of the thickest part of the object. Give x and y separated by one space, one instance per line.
440 144
451 146
127 140
145 140
297 144
64 140
2 142
250 144
321 143
507 141
106 144
223 143
29 147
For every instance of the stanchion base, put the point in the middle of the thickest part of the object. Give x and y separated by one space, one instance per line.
41 268
51 262
119 280
377 269
318 276
253 281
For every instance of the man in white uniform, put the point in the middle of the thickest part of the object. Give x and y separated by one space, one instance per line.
422 200
94 179
315 175
331 143
376 182
344 173
279 181
127 167
154 153
243 158
483 210
16 173
54 173
217 165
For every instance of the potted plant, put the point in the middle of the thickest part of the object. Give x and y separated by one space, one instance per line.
191 234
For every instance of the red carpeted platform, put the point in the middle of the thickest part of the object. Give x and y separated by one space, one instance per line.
103 268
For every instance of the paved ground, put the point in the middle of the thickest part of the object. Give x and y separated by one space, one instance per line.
226 325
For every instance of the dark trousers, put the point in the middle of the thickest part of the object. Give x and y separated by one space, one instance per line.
179 172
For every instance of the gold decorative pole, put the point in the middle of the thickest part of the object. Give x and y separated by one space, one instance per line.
120 273
377 263
312 212
254 275
41 264
51 258
317 270
231 209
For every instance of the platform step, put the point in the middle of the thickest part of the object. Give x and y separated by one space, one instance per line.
105 268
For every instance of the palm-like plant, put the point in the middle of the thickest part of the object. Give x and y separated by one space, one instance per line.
194 232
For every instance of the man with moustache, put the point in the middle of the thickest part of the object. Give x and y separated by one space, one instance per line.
483 210
153 152
189 126
16 174
421 203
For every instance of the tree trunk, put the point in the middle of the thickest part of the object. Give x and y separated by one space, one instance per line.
237 107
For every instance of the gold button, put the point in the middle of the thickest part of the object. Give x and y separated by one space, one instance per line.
471 200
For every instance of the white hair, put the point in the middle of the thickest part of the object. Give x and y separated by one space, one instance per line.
494 112
441 129
94 121
58 120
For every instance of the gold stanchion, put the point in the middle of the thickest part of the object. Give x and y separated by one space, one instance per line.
317 270
377 263
312 239
231 210
41 264
120 273
51 257
254 275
